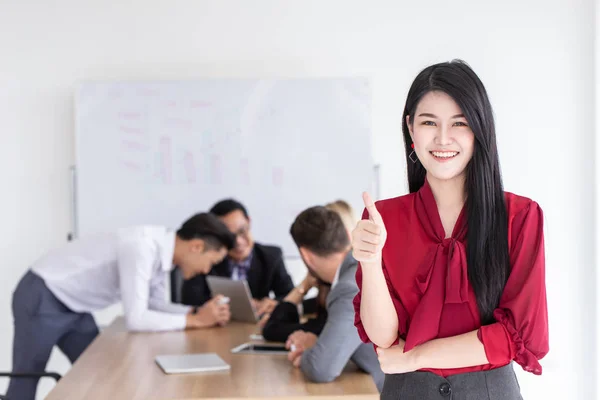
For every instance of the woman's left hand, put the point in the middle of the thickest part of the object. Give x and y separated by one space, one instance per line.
394 360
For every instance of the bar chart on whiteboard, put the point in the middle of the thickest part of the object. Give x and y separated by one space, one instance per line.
158 152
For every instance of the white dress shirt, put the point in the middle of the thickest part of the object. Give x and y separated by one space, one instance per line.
130 266
336 277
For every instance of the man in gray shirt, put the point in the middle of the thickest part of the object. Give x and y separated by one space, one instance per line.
324 246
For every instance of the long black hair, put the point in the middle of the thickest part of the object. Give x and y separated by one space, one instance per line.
487 237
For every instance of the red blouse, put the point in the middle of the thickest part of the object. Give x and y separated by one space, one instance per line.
427 279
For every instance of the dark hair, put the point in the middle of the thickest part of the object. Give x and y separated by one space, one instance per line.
210 229
226 206
487 237
321 231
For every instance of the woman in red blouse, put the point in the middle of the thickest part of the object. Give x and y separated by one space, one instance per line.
451 276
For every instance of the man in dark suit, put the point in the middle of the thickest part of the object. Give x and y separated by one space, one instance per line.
261 265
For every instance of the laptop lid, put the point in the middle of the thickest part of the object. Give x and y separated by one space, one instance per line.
239 295
189 363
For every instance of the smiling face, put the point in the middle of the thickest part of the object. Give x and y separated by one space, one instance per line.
239 225
442 137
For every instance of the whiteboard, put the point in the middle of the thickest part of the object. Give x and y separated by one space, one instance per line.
159 152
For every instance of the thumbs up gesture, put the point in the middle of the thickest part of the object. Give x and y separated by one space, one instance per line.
369 235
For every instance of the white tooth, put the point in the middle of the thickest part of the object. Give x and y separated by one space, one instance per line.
445 154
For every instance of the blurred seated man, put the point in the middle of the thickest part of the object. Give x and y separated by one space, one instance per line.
261 265
324 246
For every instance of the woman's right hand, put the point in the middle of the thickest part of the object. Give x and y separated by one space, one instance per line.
369 236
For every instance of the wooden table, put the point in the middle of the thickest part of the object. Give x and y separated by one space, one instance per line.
120 365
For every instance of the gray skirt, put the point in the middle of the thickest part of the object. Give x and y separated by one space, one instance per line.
496 384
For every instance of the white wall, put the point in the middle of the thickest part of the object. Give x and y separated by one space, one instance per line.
597 169
535 57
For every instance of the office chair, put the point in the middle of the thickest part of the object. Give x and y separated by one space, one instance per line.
52 375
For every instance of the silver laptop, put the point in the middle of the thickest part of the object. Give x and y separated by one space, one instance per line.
239 297
189 363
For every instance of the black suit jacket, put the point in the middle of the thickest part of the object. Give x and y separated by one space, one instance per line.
285 320
267 273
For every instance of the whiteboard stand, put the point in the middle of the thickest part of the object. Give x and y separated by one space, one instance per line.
73 175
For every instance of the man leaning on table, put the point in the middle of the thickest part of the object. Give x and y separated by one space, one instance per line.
325 249
53 302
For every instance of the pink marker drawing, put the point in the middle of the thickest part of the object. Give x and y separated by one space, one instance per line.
130 115
148 92
131 130
188 164
165 160
200 104
134 146
131 165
